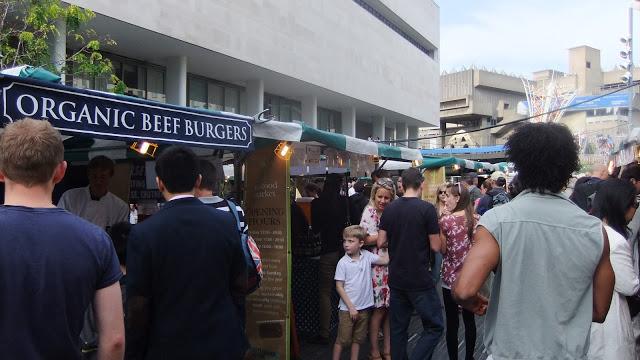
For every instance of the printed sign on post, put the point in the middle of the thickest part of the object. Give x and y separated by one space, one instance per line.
267 214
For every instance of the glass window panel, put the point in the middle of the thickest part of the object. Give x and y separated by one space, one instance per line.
134 79
285 111
296 111
197 93
155 85
216 97
231 99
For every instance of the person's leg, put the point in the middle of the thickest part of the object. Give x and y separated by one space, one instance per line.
359 332
451 313
400 311
326 287
345 333
469 333
374 328
355 350
386 331
337 351
427 304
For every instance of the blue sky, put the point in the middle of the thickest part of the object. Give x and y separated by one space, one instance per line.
520 37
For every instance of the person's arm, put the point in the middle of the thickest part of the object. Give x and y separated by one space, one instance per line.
483 257
382 239
626 282
110 322
372 239
381 259
435 242
343 295
443 243
603 283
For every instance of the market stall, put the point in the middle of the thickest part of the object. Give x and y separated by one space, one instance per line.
132 130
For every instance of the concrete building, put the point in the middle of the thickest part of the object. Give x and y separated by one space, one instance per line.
474 98
477 98
362 68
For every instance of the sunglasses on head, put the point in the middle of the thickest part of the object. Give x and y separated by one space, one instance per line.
384 182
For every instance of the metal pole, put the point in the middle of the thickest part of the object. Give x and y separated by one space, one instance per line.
632 123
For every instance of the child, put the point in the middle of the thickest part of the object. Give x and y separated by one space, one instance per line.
353 283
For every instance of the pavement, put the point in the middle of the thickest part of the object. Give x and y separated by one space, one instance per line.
323 352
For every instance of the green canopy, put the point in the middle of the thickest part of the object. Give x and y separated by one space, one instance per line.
437 162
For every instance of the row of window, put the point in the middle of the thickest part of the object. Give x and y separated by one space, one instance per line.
396 28
147 81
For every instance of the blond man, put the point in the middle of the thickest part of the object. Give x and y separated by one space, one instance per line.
52 263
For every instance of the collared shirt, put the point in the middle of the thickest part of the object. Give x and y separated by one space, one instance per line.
177 197
543 285
106 211
356 274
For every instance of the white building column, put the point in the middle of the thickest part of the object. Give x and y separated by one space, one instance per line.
378 127
349 121
58 46
402 132
176 85
310 111
412 134
255 96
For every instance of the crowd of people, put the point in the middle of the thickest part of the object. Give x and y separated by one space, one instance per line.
555 280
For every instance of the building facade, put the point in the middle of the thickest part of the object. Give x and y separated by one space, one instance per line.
365 68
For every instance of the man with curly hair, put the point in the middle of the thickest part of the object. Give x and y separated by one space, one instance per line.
551 260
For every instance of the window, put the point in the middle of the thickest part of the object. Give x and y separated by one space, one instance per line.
216 97
208 94
588 64
197 94
283 109
329 120
144 81
506 106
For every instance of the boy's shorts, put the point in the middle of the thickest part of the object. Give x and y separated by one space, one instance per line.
352 331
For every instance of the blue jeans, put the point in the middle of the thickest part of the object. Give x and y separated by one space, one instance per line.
427 305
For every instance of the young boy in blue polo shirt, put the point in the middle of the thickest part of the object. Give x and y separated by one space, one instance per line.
353 283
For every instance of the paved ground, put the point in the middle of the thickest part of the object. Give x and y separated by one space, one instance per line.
323 352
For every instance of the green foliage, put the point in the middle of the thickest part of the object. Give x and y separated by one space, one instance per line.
28 27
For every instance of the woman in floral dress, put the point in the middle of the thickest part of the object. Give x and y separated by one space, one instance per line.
456 233
381 195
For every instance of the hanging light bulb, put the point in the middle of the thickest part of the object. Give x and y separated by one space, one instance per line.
284 150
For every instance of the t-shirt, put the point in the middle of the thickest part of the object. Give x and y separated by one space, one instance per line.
51 264
408 222
107 211
356 275
222 204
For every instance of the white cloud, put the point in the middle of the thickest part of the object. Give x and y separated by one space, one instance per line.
522 37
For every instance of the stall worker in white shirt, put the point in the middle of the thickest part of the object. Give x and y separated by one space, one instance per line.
95 203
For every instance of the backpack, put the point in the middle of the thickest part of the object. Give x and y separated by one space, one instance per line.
251 254
499 199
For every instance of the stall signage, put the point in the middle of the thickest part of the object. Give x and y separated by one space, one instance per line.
105 115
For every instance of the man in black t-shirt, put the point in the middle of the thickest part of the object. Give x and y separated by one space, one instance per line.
409 227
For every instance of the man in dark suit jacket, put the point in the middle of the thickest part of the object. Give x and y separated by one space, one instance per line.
185 271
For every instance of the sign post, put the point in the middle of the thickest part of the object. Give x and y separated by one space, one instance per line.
267 212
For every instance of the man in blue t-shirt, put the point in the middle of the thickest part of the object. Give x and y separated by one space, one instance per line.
409 228
52 263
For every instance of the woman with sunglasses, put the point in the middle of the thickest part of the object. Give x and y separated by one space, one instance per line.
456 233
615 204
441 196
382 193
